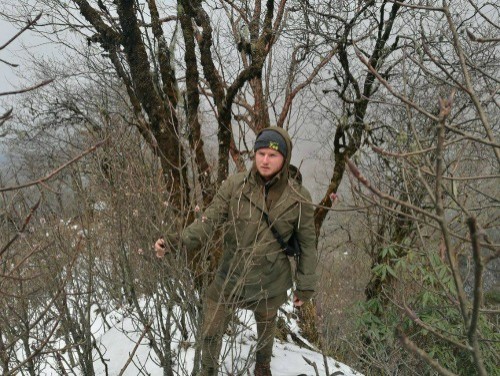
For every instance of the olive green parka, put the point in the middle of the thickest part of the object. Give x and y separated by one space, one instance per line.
253 265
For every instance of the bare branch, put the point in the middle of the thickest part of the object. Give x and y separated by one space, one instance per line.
3 118
160 20
412 347
481 40
312 364
381 151
46 82
57 170
471 137
28 25
468 81
23 228
413 6
359 176
473 3
413 316
478 295
444 111
131 356
295 91
391 89
9 64
43 314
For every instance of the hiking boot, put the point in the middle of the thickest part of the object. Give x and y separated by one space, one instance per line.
262 369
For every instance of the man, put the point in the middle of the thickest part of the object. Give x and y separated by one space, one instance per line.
254 272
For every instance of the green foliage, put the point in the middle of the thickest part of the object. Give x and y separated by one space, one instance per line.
383 271
388 252
492 297
424 284
372 325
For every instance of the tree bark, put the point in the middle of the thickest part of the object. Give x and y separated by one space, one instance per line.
192 103
161 129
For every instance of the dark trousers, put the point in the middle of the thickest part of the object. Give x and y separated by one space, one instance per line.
217 314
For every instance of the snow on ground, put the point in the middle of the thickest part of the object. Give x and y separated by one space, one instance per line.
288 359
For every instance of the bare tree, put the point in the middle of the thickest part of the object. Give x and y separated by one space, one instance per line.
442 205
158 77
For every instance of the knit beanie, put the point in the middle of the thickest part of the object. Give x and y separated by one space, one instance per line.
272 140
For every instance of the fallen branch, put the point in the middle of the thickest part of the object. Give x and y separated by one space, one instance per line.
312 364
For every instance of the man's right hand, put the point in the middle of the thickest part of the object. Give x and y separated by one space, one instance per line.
160 247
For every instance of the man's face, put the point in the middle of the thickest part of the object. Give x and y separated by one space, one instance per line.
269 162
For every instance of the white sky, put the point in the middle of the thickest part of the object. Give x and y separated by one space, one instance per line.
18 52
7 75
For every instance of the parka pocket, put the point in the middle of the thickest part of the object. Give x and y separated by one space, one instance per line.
279 265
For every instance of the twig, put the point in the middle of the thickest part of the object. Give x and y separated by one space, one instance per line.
312 364
6 115
468 81
483 15
37 351
461 178
390 88
473 38
412 347
61 365
21 262
26 221
40 348
161 20
288 102
358 175
57 170
478 295
471 137
9 64
325 363
381 151
20 91
413 316
445 106
3 118
492 247
131 356
412 6
28 25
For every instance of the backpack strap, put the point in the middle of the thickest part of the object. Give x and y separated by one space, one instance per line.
292 249
275 232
